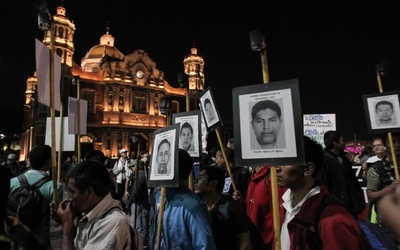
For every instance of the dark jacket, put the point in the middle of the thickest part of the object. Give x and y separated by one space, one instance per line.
342 182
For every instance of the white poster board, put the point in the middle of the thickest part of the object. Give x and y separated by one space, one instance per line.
315 125
68 140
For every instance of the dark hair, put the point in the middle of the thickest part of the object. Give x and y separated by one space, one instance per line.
185 164
207 101
383 103
229 153
96 155
187 125
215 173
330 137
266 104
161 143
90 174
39 155
313 153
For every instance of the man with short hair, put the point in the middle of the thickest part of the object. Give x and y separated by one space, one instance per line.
266 124
186 136
231 226
40 162
337 173
104 225
13 165
163 156
336 228
384 111
381 178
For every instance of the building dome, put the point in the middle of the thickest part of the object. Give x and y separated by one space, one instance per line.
99 51
92 59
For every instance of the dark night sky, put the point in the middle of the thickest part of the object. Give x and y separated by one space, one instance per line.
331 48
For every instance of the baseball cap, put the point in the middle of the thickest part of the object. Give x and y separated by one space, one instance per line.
123 151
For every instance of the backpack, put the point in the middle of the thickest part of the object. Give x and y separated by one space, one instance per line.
26 202
373 235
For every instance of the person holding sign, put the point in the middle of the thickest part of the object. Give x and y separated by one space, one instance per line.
335 228
266 123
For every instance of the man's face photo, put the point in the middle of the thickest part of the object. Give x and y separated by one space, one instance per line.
266 125
186 138
209 111
384 112
163 156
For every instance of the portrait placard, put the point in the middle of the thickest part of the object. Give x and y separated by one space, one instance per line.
164 158
382 112
268 121
189 132
209 110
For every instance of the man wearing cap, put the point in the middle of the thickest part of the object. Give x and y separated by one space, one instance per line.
13 165
122 170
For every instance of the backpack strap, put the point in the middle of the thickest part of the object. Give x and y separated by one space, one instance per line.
24 182
312 234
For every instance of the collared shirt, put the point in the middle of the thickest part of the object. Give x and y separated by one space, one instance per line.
110 232
291 213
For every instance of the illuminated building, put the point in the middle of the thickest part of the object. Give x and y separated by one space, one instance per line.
123 93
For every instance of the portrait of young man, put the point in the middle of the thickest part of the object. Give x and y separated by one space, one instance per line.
266 123
210 114
163 157
384 113
186 137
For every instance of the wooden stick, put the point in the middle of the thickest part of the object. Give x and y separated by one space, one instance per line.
53 111
274 182
228 168
60 143
394 158
160 217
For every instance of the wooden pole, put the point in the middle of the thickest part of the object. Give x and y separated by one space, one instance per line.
274 182
78 119
228 168
190 178
60 143
160 217
135 192
53 111
394 158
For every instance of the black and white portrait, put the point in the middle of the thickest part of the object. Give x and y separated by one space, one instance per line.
189 132
209 109
269 123
383 111
163 156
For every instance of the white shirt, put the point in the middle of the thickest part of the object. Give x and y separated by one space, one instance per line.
291 213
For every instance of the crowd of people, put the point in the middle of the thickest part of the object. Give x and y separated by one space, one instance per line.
229 207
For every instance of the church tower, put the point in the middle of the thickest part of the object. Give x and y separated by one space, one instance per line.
194 68
63 40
